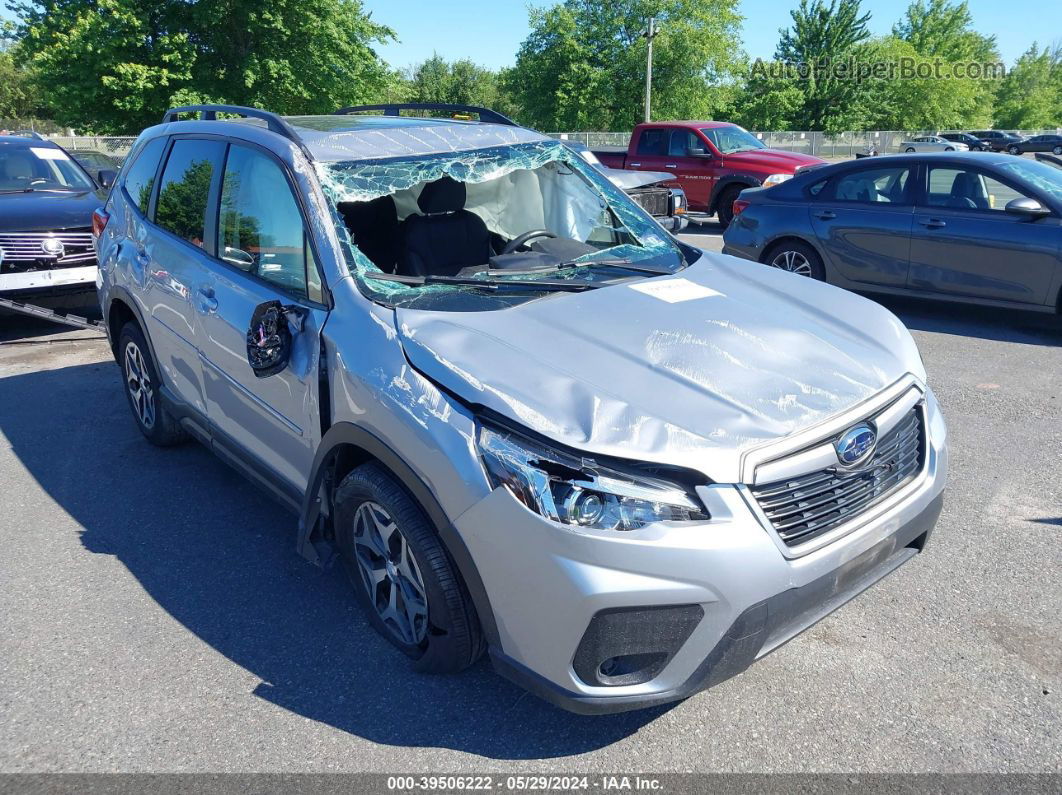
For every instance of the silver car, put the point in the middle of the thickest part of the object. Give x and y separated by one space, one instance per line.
525 419
932 143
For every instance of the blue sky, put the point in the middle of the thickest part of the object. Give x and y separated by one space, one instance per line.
490 31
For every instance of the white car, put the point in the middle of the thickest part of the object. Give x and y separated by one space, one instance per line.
932 143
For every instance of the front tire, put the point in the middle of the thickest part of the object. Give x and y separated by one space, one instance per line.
142 389
724 211
796 257
402 575
949 148
909 149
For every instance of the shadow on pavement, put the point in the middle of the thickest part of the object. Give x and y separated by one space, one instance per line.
967 320
219 557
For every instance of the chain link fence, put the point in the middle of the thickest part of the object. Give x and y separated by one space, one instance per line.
819 144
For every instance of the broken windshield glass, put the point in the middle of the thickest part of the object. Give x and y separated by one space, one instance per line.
537 197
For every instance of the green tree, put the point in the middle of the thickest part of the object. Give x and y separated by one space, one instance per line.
459 82
822 36
114 66
1030 96
583 64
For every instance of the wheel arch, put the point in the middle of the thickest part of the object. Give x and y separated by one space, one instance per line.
725 184
121 308
346 446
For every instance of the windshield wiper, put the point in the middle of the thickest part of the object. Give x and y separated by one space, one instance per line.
625 264
560 285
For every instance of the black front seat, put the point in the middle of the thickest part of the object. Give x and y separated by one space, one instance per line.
373 228
447 237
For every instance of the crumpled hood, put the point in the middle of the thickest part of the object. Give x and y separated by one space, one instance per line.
689 370
785 162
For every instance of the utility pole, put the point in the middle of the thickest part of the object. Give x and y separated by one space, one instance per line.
649 34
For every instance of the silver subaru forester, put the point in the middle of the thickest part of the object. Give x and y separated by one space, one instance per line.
526 419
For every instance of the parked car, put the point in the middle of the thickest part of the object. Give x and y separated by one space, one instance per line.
932 143
95 162
649 189
1038 143
996 140
46 204
713 161
524 418
962 227
973 143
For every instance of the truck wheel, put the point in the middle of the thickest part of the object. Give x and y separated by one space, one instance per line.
724 210
142 389
402 575
796 257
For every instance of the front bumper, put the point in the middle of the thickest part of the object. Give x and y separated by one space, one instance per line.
53 280
548 583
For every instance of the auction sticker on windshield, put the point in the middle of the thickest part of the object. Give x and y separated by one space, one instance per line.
675 290
45 153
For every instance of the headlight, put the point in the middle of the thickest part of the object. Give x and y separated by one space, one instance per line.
776 179
577 491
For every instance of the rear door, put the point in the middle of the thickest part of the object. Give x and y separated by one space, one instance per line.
964 243
863 220
264 256
172 262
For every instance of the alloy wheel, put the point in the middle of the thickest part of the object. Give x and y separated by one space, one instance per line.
138 382
1057 150
792 261
390 573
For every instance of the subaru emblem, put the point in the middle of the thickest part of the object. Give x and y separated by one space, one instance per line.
856 445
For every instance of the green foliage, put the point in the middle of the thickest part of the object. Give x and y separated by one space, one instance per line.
583 64
460 83
1030 97
114 66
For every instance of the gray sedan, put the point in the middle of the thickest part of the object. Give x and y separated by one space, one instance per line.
984 229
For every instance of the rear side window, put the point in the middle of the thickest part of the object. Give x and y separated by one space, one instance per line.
652 142
185 188
873 185
140 176
260 228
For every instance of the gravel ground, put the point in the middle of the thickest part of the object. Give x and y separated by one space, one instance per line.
155 617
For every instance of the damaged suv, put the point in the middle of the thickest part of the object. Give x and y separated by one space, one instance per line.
525 419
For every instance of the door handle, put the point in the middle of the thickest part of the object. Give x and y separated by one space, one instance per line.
670 165
826 215
932 223
634 165
208 302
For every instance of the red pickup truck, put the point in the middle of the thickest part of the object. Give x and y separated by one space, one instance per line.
714 161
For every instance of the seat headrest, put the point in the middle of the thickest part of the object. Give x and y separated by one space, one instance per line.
444 195
18 166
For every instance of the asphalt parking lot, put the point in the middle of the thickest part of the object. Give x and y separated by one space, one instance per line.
155 617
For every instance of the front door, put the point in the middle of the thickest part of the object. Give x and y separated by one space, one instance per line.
965 243
863 220
264 257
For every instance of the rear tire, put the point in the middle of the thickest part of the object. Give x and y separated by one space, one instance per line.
1057 150
909 149
402 575
1014 150
141 379
724 209
796 257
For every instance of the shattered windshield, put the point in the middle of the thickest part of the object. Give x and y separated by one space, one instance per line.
488 228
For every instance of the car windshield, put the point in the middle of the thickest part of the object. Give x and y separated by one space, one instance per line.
488 228
1040 175
732 139
31 168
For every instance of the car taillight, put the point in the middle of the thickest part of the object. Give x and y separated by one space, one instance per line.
739 206
100 217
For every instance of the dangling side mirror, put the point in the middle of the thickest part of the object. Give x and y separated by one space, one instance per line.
106 177
269 338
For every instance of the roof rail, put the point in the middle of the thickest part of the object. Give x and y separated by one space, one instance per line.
393 108
273 121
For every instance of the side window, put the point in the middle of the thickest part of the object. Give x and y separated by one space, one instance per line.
682 141
816 189
873 185
652 142
260 228
965 189
140 176
184 189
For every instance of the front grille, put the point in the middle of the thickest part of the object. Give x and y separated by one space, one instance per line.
654 202
806 506
21 251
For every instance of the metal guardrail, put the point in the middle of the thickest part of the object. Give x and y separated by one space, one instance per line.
820 144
